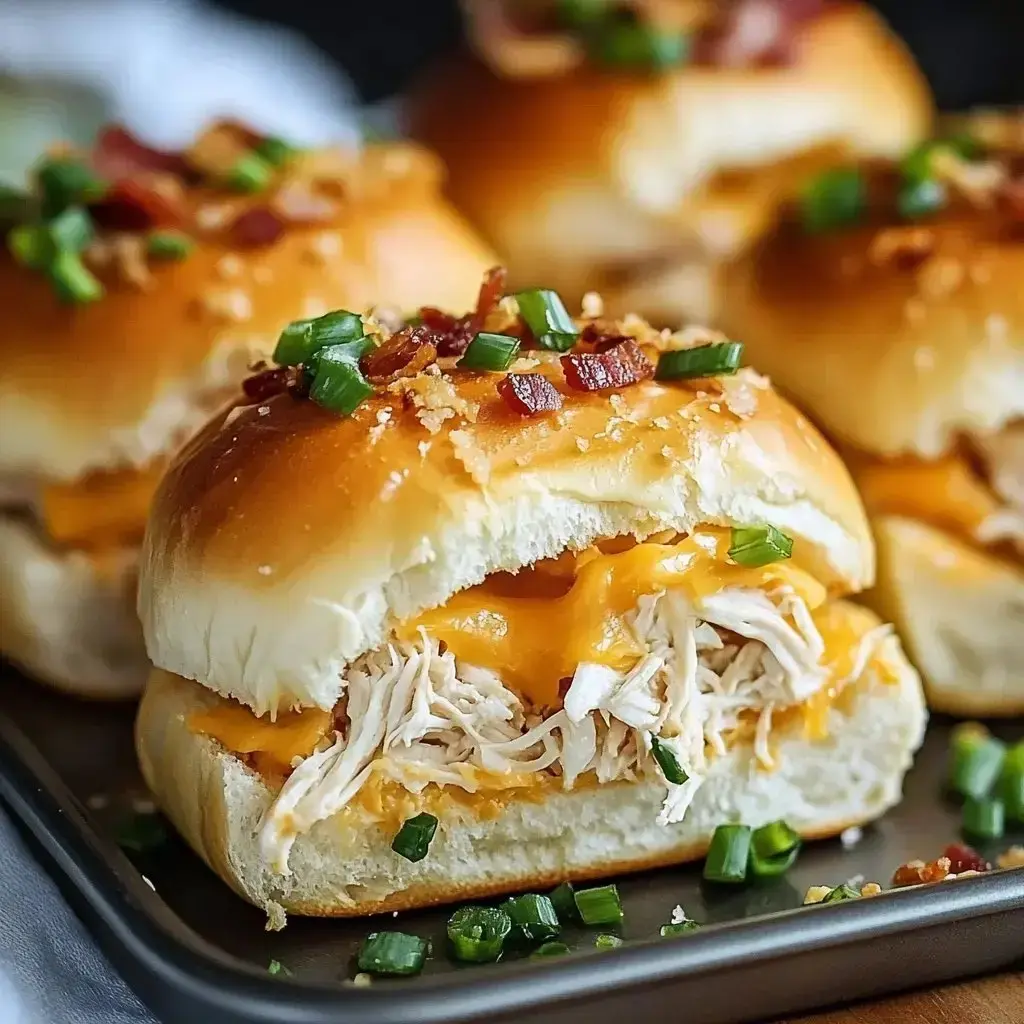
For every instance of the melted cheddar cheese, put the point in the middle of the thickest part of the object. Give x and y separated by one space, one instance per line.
945 493
103 510
294 733
534 641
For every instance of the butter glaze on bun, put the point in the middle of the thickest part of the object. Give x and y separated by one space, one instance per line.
581 179
342 527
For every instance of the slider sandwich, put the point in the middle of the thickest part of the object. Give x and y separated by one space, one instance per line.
891 307
138 287
626 146
553 605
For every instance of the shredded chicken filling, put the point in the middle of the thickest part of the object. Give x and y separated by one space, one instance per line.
417 715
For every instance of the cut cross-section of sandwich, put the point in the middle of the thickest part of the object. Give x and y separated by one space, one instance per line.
579 615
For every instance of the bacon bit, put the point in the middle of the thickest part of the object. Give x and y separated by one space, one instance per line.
404 354
140 203
256 227
455 333
275 381
1011 201
963 858
616 367
118 154
529 393
904 248
917 872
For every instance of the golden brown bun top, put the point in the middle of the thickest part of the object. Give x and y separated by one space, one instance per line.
895 337
111 382
578 177
313 534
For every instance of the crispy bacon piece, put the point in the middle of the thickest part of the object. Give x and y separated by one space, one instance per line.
618 366
455 333
1011 201
257 226
267 383
964 858
916 872
138 204
118 154
529 393
753 33
404 354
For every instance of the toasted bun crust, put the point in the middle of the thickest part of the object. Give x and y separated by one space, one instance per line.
67 617
889 358
579 177
286 541
114 383
344 866
960 612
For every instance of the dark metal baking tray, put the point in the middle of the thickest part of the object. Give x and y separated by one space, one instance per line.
195 952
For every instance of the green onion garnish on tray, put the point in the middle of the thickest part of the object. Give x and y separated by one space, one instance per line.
563 899
533 918
841 893
757 546
983 818
600 905
392 953
141 833
549 949
414 837
606 941
302 339
477 934
667 762
548 319
278 968
678 928
722 357
773 849
728 854
490 352
1011 782
834 199
976 760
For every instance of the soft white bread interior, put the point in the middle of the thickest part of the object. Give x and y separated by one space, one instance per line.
286 541
578 177
67 616
959 610
344 865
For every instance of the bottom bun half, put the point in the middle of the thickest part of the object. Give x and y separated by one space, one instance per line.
68 618
344 866
959 610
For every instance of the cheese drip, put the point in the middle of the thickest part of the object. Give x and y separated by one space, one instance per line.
533 642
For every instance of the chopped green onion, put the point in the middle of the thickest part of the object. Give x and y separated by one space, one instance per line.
703 361
679 928
984 818
581 13
276 967
275 152
38 245
71 230
64 182
169 245
667 762
563 899
250 174
757 546
921 199
490 352
774 839
1011 783
550 949
414 837
630 44
919 164
392 953
338 383
30 245
977 760
533 918
302 338
72 281
834 199
772 867
17 206
728 854
477 934
841 893
548 319
606 941
600 905
141 833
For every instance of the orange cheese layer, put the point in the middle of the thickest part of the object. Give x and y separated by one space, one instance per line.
534 641
294 733
103 510
945 493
